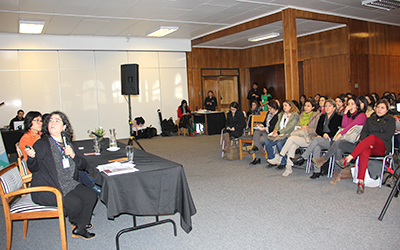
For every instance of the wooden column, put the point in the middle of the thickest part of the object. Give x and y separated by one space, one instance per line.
290 54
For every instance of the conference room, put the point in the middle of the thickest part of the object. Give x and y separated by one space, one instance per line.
314 46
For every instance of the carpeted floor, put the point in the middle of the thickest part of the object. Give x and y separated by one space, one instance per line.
240 207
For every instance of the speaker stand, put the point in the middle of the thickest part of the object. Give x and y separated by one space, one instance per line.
131 132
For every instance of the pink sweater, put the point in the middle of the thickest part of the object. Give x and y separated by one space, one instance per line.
348 123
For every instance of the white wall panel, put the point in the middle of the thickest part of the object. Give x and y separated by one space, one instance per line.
9 60
173 91
10 94
144 59
110 59
148 101
40 90
79 100
32 60
172 60
76 59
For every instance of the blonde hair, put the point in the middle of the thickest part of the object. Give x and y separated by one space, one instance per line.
293 107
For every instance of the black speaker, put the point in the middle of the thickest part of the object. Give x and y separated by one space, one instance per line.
130 79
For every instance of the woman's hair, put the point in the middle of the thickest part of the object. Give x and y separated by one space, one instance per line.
263 90
273 104
362 99
331 102
68 128
384 101
358 105
257 104
312 103
375 96
29 119
139 120
296 103
211 92
341 97
234 105
305 98
183 102
293 107
372 104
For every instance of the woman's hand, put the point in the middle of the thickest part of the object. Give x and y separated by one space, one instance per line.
337 137
233 129
304 127
69 151
326 136
30 152
275 133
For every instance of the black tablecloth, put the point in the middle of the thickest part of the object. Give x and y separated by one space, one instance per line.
10 138
215 121
158 188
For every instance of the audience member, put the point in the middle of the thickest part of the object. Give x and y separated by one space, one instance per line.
328 125
32 127
254 94
375 96
18 118
210 102
321 105
265 98
55 164
235 123
340 107
185 118
375 141
306 131
302 101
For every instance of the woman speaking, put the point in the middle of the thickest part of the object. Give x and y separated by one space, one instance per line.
54 161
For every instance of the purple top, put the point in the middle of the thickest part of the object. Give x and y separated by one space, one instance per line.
348 123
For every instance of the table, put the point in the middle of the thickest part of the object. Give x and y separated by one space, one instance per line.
10 138
158 188
214 121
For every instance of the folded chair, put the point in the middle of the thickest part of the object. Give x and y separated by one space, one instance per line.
23 208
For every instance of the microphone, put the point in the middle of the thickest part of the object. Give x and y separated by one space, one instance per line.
93 133
1 104
64 140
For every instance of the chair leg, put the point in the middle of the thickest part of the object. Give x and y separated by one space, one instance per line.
25 228
240 150
9 232
61 219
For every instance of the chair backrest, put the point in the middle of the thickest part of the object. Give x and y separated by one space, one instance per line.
10 179
258 119
18 149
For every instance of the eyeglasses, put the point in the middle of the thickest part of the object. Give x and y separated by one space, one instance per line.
58 121
38 120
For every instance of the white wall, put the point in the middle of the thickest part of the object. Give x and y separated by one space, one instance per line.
86 85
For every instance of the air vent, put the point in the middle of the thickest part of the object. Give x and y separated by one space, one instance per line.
382 4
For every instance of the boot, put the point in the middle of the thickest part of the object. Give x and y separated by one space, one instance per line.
288 171
319 161
255 161
335 178
82 232
298 160
276 160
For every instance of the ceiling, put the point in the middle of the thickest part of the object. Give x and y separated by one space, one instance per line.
195 18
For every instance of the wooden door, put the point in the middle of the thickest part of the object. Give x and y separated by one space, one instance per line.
228 88
211 83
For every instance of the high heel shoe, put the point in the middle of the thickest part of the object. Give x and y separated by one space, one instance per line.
343 163
360 189
298 160
315 175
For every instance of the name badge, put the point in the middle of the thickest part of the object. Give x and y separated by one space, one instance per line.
65 162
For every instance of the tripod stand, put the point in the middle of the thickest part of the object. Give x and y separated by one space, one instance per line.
131 133
394 193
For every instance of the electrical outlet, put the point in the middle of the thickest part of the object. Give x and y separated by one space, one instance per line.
356 86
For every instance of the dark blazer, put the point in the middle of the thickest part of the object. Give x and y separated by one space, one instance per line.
383 128
272 122
238 122
213 100
45 174
333 125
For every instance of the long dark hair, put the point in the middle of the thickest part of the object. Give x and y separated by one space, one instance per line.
181 107
68 128
359 110
29 119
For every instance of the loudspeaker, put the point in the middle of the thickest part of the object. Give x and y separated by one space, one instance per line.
130 79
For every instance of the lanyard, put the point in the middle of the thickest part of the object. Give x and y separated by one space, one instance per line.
61 150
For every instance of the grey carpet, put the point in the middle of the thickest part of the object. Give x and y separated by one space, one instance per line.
240 207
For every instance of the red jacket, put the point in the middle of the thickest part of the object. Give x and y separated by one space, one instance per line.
180 114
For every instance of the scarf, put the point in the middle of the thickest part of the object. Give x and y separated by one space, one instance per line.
305 119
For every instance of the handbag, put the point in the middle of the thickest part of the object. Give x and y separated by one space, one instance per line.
353 134
301 133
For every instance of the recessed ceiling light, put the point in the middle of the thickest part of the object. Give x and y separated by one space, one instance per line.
163 31
382 4
30 27
263 37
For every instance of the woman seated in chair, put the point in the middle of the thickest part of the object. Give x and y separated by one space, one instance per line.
328 125
55 164
375 140
33 127
287 120
185 118
261 133
306 131
354 115
235 123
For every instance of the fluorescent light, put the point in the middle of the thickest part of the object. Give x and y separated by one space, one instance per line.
263 37
382 4
30 27
163 31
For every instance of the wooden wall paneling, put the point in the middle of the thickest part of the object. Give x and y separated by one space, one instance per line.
378 39
394 40
195 97
230 58
290 54
394 74
379 73
358 33
330 75
229 72
210 72
189 59
319 17
359 74
307 84
245 86
269 54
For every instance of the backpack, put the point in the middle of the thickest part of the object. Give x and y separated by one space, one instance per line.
168 127
148 133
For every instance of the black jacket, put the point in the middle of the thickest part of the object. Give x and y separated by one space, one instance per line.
45 174
213 100
251 98
238 122
333 125
272 122
383 128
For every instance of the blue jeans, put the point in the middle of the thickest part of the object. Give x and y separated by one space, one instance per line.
279 145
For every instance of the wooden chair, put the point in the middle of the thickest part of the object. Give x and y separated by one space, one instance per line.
181 130
249 138
23 208
23 167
